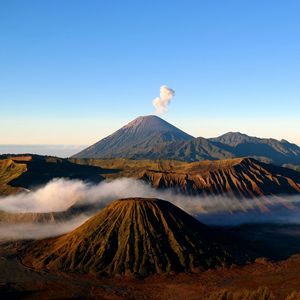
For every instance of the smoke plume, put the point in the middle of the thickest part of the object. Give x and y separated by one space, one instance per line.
162 102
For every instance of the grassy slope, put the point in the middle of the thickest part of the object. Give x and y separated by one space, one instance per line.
19 172
10 170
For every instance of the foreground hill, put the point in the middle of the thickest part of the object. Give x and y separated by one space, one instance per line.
240 177
150 137
135 236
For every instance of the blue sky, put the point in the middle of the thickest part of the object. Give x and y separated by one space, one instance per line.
71 71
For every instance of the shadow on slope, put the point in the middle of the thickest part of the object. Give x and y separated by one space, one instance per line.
273 241
42 169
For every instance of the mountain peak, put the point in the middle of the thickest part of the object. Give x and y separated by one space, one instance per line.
135 236
154 124
145 118
234 134
144 133
150 119
233 138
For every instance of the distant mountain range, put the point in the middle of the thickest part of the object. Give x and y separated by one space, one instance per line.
150 137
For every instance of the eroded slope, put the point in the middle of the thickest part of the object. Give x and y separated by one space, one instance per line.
136 236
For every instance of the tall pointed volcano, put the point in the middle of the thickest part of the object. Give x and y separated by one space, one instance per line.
150 137
136 139
147 125
135 236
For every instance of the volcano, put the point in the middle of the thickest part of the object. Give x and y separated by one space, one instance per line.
138 236
137 139
150 137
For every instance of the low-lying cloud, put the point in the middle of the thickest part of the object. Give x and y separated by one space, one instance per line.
60 194
38 231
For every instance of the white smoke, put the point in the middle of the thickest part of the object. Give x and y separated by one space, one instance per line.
162 102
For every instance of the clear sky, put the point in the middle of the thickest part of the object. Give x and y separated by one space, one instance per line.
72 71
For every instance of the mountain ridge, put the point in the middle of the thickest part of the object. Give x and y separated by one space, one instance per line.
243 145
150 137
23 172
238 177
243 177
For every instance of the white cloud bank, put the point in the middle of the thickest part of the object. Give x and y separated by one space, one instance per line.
60 194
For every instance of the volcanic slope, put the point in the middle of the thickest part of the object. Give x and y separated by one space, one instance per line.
240 177
20 173
150 137
10 170
135 236
137 139
153 138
